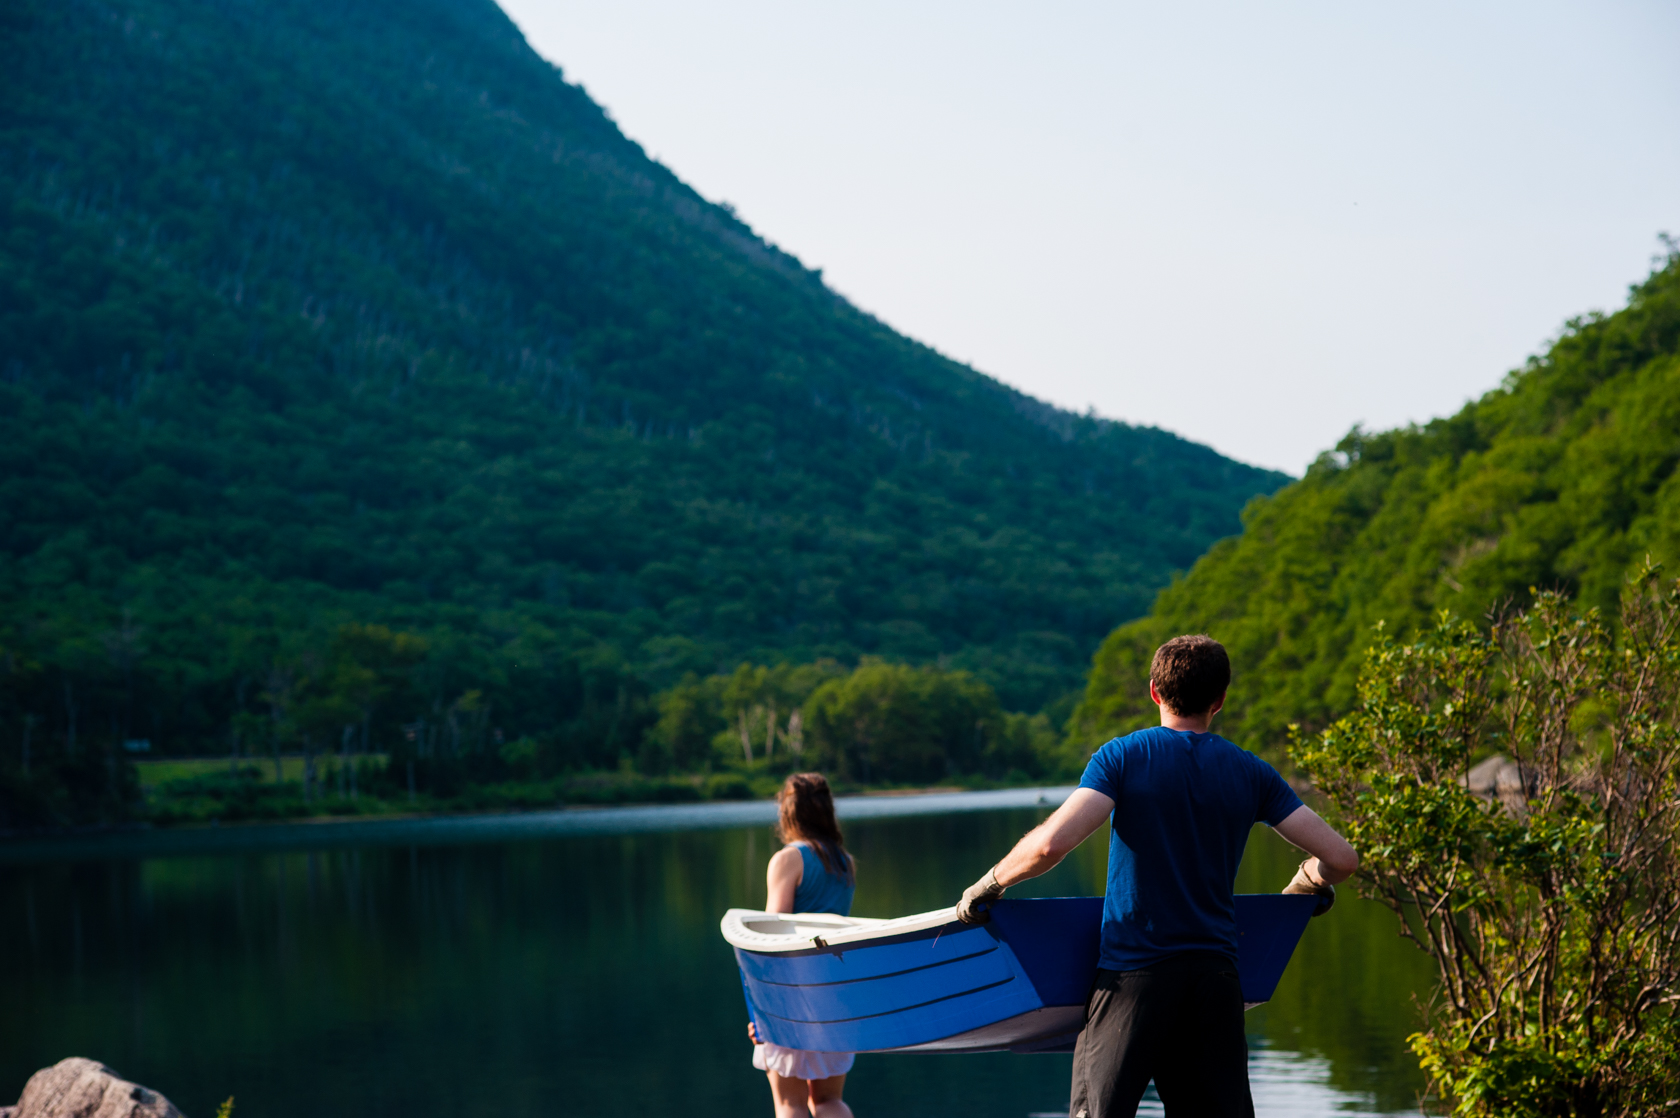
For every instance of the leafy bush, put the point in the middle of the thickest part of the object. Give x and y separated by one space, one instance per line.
244 795
1550 899
728 786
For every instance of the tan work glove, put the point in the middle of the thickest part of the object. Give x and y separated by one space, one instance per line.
1302 882
972 908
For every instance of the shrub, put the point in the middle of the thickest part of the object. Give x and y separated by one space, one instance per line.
1550 901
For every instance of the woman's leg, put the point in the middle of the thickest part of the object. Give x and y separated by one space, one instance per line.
825 1098
792 1096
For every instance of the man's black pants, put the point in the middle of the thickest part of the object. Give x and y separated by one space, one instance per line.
1180 1023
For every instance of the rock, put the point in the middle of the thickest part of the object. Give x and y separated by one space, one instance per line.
80 1088
1502 779
1500 776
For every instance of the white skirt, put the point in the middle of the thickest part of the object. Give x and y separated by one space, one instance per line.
796 1063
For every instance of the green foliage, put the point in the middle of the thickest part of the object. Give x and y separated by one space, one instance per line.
231 796
729 719
1562 478
879 723
362 316
226 1109
1549 900
244 795
898 724
728 736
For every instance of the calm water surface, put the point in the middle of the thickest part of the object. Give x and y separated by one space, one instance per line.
569 965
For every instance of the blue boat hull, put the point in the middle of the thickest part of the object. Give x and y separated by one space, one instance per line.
1018 983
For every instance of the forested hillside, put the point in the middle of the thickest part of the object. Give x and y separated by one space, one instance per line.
1563 477
356 369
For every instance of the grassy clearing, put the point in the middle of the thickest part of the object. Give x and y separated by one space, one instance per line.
154 774
205 790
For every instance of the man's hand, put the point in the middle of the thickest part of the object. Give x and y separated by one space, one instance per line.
1303 882
981 893
752 1033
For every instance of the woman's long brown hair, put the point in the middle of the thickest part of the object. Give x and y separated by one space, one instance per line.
807 812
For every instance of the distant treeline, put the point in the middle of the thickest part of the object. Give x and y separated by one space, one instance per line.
448 710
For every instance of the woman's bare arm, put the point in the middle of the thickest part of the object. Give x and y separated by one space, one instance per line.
781 881
787 870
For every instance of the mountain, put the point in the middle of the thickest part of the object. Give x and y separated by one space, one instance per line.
1563 477
358 314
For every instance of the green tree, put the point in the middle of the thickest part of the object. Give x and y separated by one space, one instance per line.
1563 477
372 666
1549 898
895 723
751 716
690 717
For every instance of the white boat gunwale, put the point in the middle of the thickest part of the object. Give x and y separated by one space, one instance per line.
797 932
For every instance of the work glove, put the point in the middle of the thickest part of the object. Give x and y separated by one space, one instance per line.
977 897
1303 883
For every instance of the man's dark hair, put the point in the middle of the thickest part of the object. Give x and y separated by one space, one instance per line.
1190 673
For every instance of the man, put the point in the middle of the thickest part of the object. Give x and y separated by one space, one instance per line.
1167 1004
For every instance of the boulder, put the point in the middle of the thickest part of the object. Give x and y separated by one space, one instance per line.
80 1088
1500 776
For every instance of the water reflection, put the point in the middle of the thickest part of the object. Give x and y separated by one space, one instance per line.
569 975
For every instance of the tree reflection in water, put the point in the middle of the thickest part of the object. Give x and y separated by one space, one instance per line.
576 975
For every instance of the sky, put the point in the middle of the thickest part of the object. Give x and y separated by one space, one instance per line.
1253 225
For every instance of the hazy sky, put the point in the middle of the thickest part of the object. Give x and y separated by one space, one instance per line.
1255 225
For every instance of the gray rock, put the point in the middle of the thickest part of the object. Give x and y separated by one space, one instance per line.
1500 776
1502 779
80 1088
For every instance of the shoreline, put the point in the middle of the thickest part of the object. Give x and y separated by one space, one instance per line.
323 833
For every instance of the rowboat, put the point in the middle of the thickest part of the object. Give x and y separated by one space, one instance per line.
928 983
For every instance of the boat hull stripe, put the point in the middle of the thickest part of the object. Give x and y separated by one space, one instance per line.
877 977
900 1009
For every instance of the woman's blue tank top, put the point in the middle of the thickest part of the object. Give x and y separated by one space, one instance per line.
819 890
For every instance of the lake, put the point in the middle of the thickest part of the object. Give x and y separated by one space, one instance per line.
569 963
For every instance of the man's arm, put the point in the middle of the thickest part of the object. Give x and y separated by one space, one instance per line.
1305 830
1332 858
1040 850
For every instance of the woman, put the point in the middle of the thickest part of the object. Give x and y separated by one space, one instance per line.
812 873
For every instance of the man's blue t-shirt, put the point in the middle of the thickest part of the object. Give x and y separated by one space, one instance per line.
1183 806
